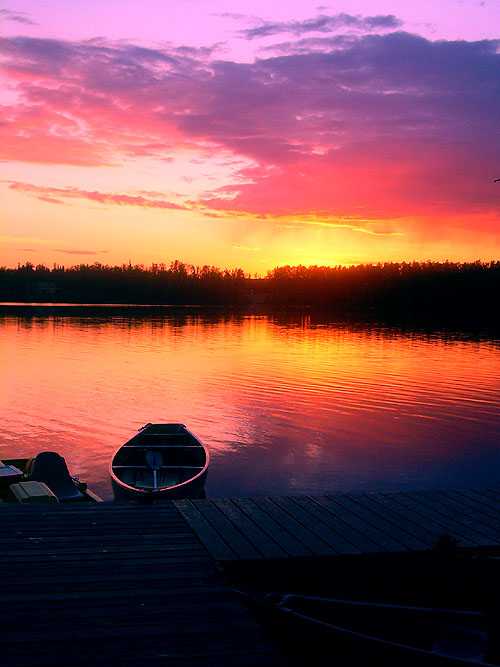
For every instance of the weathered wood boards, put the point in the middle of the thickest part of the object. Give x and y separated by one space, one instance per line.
117 584
295 527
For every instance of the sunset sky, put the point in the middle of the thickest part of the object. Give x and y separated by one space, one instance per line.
249 134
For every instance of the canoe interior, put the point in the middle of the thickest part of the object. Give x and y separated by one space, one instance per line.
183 458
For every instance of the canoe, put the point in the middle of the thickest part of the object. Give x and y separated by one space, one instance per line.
44 478
161 461
326 630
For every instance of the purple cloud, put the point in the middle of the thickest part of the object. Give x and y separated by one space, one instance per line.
16 17
324 23
393 123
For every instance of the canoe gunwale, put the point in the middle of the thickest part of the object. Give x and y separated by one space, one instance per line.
375 641
278 606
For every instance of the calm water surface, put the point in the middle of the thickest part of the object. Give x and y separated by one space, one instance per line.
287 404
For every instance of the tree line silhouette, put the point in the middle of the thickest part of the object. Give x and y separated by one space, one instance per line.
467 289
179 284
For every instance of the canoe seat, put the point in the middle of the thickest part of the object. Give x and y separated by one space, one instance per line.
51 468
141 476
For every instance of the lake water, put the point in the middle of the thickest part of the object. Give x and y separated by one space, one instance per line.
287 403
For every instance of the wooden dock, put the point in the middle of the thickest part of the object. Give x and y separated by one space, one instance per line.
247 529
117 584
131 584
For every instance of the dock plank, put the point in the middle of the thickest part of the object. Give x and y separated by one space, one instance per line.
489 513
129 651
323 532
286 541
313 545
456 529
268 547
242 547
428 530
55 582
471 517
148 572
333 533
433 522
480 504
488 496
342 521
117 616
118 592
399 527
363 522
217 547
296 537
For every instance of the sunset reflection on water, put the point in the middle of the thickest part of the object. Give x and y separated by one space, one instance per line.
286 404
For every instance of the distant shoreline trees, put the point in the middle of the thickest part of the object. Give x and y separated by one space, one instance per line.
98 283
431 289
467 289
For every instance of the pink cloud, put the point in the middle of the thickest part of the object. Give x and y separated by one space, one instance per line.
374 126
62 195
369 182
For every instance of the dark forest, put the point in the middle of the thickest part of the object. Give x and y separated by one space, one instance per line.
462 289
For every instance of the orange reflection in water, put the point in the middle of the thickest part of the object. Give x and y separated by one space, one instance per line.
286 404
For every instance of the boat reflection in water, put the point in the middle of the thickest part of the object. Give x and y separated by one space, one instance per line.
160 461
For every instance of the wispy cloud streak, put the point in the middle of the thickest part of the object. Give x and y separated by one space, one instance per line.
16 17
63 195
324 23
